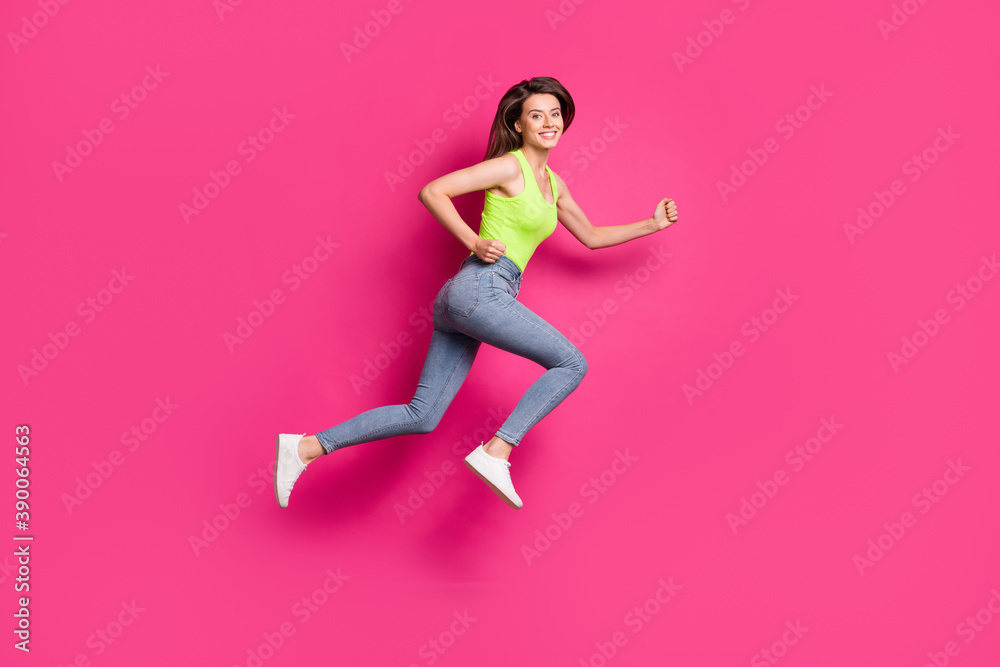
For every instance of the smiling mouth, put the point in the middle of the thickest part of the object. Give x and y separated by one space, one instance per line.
547 135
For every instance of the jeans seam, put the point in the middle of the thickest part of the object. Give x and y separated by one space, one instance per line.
541 408
515 287
548 333
524 319
476 277
508 438
436 401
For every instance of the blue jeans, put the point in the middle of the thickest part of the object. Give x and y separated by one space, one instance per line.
477 305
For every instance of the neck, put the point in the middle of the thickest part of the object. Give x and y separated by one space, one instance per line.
536 157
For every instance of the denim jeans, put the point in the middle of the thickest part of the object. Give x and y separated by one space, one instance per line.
477 305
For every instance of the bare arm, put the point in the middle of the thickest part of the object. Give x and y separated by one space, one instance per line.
437 194
572 217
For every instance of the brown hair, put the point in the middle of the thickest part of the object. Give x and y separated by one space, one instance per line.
503 137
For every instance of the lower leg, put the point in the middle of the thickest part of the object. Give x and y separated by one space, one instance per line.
448 361
498 448
522 332
310 449
540 399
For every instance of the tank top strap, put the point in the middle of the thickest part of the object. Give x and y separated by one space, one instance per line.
527 173
525 169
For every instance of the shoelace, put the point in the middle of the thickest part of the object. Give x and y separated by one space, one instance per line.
291 482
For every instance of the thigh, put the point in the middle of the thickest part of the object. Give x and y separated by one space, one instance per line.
458 298
502 321
449 359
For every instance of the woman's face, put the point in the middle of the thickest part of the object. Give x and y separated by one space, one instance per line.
541 121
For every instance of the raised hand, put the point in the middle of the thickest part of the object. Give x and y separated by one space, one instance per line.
665 214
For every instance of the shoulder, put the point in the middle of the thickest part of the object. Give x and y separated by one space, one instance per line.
508 162
501 169
483 175
563 189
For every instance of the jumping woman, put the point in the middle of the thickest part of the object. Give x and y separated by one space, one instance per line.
524 199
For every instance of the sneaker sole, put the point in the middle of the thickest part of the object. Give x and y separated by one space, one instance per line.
500 494
277 454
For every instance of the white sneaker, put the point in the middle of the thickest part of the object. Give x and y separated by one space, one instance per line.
287 466
496 473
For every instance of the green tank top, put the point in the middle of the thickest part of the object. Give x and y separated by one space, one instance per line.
520 222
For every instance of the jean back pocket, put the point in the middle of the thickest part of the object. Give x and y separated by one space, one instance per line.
462 295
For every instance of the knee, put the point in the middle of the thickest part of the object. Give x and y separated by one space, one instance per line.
579 365
424 426
425 422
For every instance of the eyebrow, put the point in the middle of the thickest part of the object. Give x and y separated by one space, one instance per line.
540 111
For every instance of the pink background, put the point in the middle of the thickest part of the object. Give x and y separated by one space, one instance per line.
670 516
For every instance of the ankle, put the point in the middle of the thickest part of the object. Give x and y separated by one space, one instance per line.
498 448
310 449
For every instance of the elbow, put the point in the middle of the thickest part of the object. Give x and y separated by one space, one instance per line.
427 193
593 242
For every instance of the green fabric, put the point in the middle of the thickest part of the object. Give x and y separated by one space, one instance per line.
520 222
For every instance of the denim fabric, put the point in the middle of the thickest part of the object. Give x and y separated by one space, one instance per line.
477 305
